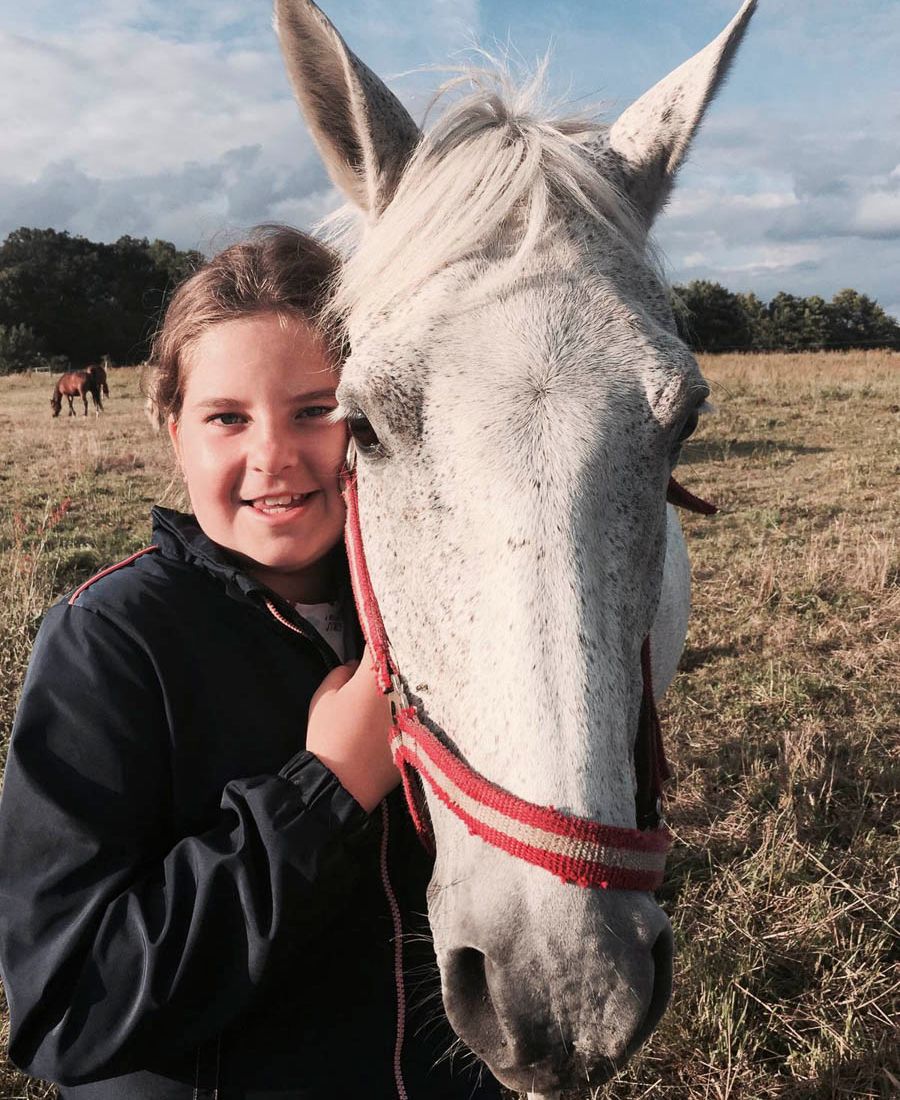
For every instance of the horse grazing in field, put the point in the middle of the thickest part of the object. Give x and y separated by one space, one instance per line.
518 395
80 383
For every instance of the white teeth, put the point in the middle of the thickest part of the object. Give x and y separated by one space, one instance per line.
278 503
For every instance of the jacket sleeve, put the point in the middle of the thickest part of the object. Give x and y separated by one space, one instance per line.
118 939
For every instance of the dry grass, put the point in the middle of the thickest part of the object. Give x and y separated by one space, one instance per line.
783 729
76 493
782 726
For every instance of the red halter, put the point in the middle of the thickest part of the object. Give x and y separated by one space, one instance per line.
577 849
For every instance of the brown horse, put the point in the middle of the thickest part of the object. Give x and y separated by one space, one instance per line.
80 383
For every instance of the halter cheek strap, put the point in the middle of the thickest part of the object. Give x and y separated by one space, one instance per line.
578 850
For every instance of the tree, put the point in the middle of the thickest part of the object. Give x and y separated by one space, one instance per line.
761 338
859 321
43 281
815 324
711 318
786 318
176 265
83 299
19 349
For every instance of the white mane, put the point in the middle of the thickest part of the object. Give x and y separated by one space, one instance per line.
492 164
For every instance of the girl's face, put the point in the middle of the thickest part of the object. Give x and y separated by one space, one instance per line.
259 455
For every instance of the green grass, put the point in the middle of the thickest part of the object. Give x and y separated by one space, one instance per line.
782 726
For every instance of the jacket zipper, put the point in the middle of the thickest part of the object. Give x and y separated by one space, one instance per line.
276 614
393 908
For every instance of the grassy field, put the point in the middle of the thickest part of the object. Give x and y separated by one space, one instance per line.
782 727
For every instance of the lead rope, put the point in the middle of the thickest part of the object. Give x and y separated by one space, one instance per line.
398 955
393 906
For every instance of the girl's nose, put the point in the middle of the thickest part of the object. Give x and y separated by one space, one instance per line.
272 454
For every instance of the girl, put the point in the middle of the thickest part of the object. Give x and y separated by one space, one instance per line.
191 897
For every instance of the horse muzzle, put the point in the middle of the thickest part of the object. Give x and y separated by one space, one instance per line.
551 1006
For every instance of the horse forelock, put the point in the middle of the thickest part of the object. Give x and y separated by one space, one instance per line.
497 170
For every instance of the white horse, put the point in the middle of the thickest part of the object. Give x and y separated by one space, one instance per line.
518 395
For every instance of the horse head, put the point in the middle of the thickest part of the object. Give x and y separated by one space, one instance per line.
518 395
97 373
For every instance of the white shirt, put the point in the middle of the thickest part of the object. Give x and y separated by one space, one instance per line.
327 619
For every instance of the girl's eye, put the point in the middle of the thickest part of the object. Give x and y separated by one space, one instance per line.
228 419
313 411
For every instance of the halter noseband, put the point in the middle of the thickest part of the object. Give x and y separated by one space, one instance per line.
577 849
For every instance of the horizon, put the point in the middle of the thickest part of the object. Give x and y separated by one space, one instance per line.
176 122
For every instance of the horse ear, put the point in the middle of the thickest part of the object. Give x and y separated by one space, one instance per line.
364 133
651 138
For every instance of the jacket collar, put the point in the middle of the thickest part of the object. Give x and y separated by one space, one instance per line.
180 537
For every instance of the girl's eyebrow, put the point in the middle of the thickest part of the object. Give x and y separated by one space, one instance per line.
235 403
315 395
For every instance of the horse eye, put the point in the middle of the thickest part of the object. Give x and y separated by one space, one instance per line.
364 435
688 428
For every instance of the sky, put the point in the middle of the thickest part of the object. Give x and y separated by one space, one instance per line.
174 119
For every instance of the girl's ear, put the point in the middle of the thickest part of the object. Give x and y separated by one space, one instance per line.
172 427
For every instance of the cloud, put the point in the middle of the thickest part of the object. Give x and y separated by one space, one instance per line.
156 119
788 201
853 206
878 215
129 114
193 205
788 259
726 204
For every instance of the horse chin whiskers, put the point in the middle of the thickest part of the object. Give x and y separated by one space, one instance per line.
457 1048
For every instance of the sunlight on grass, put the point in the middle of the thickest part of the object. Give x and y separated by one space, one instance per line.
782 726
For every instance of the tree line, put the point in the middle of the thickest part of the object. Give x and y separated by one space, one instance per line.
712 318
66 301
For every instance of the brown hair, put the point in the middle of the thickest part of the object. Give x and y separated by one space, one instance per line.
276 270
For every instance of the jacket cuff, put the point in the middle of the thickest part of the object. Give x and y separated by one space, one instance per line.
319 784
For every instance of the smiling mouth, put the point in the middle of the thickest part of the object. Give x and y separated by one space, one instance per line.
277 503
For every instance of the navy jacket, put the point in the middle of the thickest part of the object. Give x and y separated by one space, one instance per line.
190 903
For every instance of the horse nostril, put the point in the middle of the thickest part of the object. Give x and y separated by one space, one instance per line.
468 1001
661 958
466 972
661 952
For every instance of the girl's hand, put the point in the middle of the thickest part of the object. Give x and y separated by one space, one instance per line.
348 730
